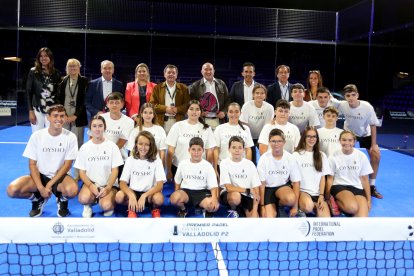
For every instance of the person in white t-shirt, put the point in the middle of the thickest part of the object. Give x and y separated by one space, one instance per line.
98 161
118 125
147 121
180 135
348 183
313 166
51 152
280 177
195 182
323 100
240 181
280 121
143 178
256 114
329 134
224 132
302 114
361 119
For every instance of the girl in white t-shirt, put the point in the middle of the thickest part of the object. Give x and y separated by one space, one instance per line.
147 121
180 135
313 166
98 161
143 178
224 132
348 183
240 181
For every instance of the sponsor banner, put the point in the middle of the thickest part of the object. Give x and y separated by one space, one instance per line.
402 115
10 104
148 230
5 111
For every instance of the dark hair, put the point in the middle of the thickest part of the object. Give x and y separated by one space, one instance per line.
297 86
152 152
319 78
115 96
200 119
56 107
170 66
196 141
282 103
322 89
350 88
97 117
281 66
277 132
249 64
236 139
50 66
141 110
238 121
331 109
317 156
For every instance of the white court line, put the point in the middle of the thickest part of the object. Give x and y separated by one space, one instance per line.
219 258
18 143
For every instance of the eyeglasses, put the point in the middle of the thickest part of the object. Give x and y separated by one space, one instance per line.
311 136
276 141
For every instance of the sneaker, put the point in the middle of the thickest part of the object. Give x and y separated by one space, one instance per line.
232 214
334 207
301 214
208 214
87 211
37 207
375 193
156 213
63 210
108 213
132 214
281 212
182 213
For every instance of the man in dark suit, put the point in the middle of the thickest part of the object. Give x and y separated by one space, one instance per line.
242 91
100 88
280 89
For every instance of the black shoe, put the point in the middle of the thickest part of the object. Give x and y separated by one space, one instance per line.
281 212
182 213
37 207
375 193
63 210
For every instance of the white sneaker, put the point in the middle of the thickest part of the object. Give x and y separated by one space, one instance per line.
87 211
108 213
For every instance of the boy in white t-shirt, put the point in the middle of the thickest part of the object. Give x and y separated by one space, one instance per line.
291 131
323 100
302 114
195 182
240 181
329 134
51 152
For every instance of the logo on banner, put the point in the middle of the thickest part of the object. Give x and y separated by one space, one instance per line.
201 230
305 228
411 231
317 228
58 228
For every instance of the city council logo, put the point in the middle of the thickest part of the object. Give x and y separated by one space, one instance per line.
58 228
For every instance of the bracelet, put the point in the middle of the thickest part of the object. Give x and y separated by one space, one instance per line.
321 194
261 205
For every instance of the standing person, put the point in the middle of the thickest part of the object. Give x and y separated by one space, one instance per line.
143 178
313 166
280 121
51 152
170 99
213 96
323 100
181 134
41 87
139 91
98 161
360 118
224 132
302 114
281 88
71 94
148 122
313 82
242 91
240 181
348 183
195 182
280 177
329 134
100 88
256 114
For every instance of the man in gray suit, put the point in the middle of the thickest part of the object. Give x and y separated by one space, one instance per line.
241 91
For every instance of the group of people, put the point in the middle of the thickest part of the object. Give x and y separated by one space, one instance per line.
202 137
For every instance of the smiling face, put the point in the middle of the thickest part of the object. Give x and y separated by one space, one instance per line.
142 74
44 59
259 95
248 73
207 70
97 128
276 143
107 70
283 74
298 94
194 112
313 80
347 141
233 112
56 119
282 115
143 146
323 99
147 115
311 139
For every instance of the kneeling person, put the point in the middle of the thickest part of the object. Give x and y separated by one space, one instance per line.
195 182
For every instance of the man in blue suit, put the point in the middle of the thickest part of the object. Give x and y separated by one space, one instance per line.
280 89
242 91
100 88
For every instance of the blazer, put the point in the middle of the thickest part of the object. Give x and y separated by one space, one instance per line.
80 110
132 103
274 93
94 100
34 86
181 101
237 92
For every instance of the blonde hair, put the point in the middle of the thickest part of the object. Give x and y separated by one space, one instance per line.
72 61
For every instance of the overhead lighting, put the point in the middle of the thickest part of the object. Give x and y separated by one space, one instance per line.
16 59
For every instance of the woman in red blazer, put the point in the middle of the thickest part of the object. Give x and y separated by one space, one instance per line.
139 91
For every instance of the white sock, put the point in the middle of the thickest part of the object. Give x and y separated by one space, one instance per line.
372 182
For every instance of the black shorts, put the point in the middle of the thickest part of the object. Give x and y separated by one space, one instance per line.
246 201
44 179
270 194
365 142
116 189
335 189
196 196
139 194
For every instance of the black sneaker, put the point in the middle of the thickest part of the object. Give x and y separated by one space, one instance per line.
63 210
375 193
182 213
37 207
